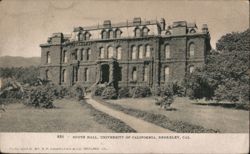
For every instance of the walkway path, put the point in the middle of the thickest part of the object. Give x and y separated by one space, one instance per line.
139 125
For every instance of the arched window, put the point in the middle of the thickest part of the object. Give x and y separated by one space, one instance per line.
64 76
47 76
65 60
82 54
141 52
145 31
191 50
88 54
101 52
111 34
137 32
166 74
134 74
118 33
191 69
104 35
148 51
134 52
81 37
145 73
110 52
48 60
167 51
87 36
86 74
119 53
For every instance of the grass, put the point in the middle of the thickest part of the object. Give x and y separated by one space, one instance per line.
160 120
109 121
67 116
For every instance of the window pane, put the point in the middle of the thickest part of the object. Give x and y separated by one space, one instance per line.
148 52
166 71
134 52
141 52
48 58
110 52
137 32
134 75
145 76
167 51
191 50
102 53
119 53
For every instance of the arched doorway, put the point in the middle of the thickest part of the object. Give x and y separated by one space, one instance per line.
105 73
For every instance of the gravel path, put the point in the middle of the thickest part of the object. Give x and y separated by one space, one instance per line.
139 125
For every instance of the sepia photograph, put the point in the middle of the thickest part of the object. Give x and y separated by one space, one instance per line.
160 70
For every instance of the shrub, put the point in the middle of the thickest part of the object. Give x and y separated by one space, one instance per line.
41 96
124 92
77 92
109 93
141 91
97 91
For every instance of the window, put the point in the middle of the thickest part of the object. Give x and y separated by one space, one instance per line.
110 52
119 53
191 50
48 60
88 54
101 52
191 69
81 37
134 74
64 77
141 51
119 74
167 51
87 36
148 52
118 33
166 74
111 34
137 32
145 31
86 74
74 55
104 35
134 52
75 74
47 75
145 73
82 53
65 60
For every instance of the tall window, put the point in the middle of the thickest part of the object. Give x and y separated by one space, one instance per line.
101 52
64 76
141 52
119 53
145 31
191 50
111 34
166 74
75 74
137 32
191 69
119 74
47 75
82 54
145 73
110 52
104 35
88 54
118 33
48 60
134 74
134 52
148 51
167 51
65 60
86 74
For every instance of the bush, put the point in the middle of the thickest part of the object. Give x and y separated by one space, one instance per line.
97 91
109 93
41 97
124 92
141 91
77 92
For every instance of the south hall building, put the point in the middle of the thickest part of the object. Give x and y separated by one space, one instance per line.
132 53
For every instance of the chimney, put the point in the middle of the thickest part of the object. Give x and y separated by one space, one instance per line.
162 23
204 28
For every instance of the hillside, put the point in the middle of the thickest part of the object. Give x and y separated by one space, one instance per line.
9 61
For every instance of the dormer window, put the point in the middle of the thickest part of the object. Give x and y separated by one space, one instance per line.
111 34
81 37
87 36
145 31
137 32
118 33
104 34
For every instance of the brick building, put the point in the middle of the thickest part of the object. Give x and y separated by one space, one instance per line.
125 54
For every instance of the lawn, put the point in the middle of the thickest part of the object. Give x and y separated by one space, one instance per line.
210 117
68 116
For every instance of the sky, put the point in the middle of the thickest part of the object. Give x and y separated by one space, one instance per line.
24 24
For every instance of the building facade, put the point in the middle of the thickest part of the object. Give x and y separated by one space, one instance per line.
132 53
